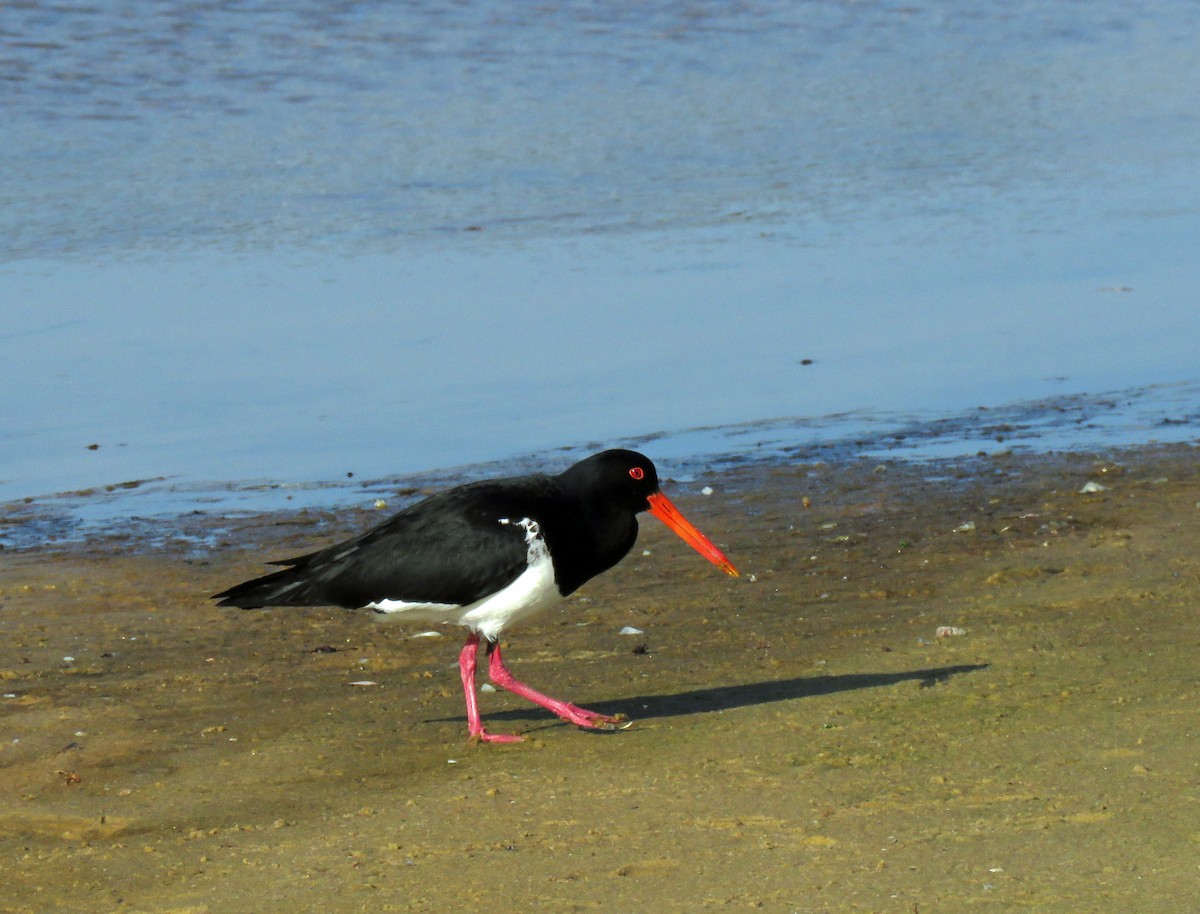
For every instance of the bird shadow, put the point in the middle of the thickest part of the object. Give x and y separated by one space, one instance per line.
724 698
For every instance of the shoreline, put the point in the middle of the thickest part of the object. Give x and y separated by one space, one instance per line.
140 510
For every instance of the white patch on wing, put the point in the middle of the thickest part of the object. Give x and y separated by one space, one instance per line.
424 610
533 590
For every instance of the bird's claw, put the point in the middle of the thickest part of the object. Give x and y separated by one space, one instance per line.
484 737
606 722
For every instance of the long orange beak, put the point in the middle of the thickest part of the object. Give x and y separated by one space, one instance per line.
661 507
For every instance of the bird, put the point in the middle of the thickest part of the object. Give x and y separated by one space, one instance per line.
484 556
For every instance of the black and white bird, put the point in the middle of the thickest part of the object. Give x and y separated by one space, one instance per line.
484 556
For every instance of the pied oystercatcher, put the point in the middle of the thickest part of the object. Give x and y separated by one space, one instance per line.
484 555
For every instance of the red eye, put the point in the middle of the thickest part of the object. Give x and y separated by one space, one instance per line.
637 473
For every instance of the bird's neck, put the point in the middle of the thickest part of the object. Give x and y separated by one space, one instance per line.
602 538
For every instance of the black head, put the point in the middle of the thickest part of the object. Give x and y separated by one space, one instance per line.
624 482
619 477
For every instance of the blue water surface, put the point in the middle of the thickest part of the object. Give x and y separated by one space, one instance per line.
261 242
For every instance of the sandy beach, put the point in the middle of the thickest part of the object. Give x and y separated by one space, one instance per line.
936 688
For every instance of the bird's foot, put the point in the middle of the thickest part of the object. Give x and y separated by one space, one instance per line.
592 720
482 736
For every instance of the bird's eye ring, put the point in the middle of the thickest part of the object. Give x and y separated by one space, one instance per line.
637 473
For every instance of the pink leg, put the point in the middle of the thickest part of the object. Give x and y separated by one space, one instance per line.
466 669
581 717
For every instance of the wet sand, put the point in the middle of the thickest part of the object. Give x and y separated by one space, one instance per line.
804 741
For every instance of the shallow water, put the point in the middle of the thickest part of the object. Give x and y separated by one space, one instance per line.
242 242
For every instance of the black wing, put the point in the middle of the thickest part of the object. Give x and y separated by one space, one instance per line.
451 548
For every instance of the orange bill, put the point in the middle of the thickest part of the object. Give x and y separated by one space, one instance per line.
661 507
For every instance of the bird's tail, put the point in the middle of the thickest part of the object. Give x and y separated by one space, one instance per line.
289 587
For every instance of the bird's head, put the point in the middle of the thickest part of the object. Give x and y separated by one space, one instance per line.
629 479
